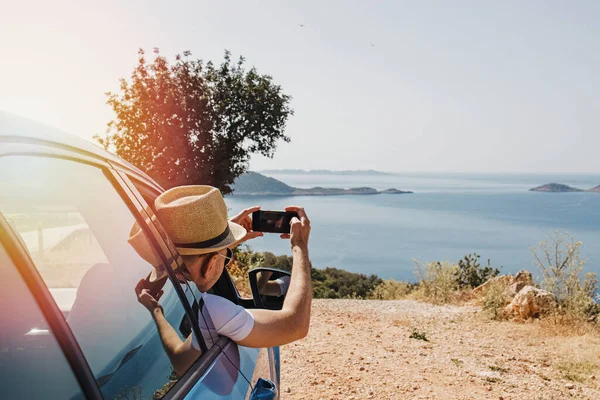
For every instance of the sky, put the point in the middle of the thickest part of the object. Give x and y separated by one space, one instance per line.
419 86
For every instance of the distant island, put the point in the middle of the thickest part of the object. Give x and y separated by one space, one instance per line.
255 184
595 189
323 172
560 188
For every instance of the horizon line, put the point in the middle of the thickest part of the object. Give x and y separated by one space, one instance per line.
563 173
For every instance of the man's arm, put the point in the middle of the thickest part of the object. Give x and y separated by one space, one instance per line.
276 328
278 287
262 280
181 353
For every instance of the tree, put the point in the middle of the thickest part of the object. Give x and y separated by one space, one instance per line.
193 122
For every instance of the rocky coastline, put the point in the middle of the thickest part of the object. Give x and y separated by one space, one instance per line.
255 184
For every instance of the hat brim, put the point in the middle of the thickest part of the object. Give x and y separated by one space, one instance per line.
236 234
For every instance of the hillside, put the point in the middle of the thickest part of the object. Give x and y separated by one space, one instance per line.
255 184
252 183
555 188
595 189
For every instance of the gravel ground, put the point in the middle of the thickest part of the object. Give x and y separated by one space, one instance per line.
361 349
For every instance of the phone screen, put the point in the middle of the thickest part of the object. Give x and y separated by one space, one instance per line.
272 221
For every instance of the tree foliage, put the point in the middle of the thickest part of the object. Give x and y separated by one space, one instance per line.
193 122
334 283
330 283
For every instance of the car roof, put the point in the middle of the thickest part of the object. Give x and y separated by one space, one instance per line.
15 128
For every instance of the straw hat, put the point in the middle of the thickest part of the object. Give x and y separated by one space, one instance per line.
195 218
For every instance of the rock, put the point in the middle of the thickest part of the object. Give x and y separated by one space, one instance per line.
570 386
530 302
489 374
513 285
522 279
481 290
524 276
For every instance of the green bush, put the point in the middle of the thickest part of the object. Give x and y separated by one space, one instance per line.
328 283
415 334
334 283
439 282
470 274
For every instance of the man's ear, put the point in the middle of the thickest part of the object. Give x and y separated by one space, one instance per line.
208 266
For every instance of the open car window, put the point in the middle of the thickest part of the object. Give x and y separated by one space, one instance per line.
77 228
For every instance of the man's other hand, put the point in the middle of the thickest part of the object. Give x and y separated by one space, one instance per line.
299 228
146 297
244 219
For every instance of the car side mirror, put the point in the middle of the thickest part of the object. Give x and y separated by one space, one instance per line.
269 287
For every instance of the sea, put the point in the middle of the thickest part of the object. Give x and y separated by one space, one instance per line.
447 217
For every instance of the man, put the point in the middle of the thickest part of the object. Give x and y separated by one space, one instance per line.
195 217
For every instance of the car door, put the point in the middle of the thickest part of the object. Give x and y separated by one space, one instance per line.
251 363
72 217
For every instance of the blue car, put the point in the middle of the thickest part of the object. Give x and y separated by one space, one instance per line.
71 326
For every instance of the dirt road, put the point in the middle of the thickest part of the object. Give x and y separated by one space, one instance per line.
359 349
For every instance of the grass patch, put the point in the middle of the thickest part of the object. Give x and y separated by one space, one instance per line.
457 362
493 380
576 371
544 377
565 325
415 334
496 368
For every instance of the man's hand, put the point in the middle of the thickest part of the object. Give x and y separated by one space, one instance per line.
299 228
244 219
292 322
146 297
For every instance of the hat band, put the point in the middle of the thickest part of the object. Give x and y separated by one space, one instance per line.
205 243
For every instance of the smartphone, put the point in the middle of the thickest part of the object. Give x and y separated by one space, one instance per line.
272 221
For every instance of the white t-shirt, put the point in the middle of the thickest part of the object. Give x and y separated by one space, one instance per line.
284 284
220 317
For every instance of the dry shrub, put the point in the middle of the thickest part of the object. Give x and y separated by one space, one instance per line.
558 259
578 371
494 300
391 289
437 282
556 324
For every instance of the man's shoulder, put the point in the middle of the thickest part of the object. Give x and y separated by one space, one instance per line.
218 303
228 318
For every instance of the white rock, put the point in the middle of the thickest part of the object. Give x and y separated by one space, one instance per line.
530 302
